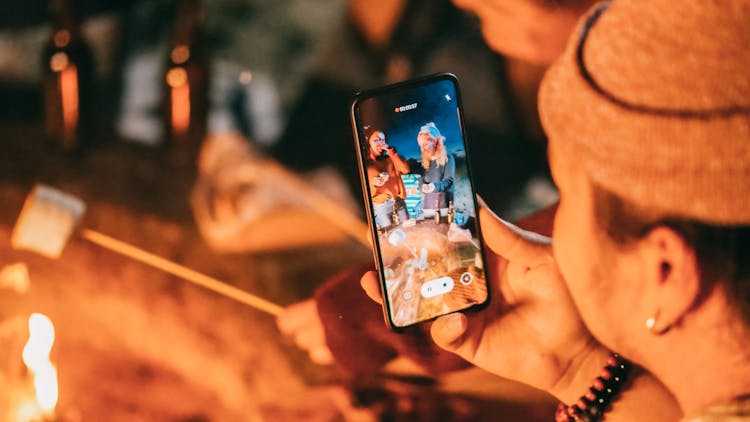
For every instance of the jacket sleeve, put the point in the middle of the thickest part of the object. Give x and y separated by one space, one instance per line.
401 165
449 172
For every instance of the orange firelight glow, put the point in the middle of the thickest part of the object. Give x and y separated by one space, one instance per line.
36 357
177 79
69 94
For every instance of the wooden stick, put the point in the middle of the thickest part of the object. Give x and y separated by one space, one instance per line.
185 273
326 207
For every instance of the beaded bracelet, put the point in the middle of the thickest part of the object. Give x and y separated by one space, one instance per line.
591 406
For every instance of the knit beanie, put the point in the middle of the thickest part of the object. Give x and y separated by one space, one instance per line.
652 99
431 130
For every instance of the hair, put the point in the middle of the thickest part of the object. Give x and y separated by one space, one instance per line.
372 133
722 252
440 155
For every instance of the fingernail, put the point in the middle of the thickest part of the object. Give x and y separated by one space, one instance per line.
455 323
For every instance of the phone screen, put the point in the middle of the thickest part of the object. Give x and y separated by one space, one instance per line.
420 199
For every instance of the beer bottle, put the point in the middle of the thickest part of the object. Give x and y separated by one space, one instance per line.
451 212
437 211
68 78
186 83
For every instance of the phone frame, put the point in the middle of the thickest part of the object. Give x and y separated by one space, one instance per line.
362 149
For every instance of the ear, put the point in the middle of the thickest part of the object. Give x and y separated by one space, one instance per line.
673 281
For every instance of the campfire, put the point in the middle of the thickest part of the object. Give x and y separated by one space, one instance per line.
132 342
39 406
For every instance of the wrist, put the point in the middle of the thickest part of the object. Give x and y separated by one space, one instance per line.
597 399
583 367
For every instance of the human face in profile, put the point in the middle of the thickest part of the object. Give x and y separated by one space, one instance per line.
607 282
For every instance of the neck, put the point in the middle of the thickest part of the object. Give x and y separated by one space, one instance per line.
705 364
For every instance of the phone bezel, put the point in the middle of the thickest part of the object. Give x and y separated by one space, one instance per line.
361 149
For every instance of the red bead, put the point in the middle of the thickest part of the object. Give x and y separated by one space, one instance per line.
561 415
595 402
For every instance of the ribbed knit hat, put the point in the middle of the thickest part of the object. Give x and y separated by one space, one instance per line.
430 129
652 98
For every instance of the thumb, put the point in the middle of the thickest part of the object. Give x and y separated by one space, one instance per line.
448 330
512 243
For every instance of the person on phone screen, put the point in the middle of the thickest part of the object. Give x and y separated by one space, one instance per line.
437 168
384 170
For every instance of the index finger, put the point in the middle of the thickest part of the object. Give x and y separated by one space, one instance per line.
296 316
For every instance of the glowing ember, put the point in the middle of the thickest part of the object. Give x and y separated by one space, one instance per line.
36 357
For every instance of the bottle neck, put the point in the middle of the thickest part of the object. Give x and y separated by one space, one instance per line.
65 16
189 24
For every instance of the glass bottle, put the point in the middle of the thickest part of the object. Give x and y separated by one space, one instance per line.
186 83
451 212
437 211
68 77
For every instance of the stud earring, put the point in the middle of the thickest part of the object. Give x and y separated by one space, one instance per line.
651 325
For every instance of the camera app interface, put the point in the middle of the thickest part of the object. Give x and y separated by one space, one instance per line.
422 202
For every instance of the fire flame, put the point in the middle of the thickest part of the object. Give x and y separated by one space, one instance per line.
36 357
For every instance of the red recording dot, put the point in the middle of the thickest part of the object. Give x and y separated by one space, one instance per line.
396 109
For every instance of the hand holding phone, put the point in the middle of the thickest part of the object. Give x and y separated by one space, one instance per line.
423 271
534 326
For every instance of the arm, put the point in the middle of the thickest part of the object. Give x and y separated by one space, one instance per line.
642 397
373 178
347 327
358 338
449 170
375 182
401 165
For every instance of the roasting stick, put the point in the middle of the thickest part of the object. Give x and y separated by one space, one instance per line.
178 270
49 218
329 209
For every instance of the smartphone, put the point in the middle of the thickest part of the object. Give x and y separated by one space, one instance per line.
420 200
